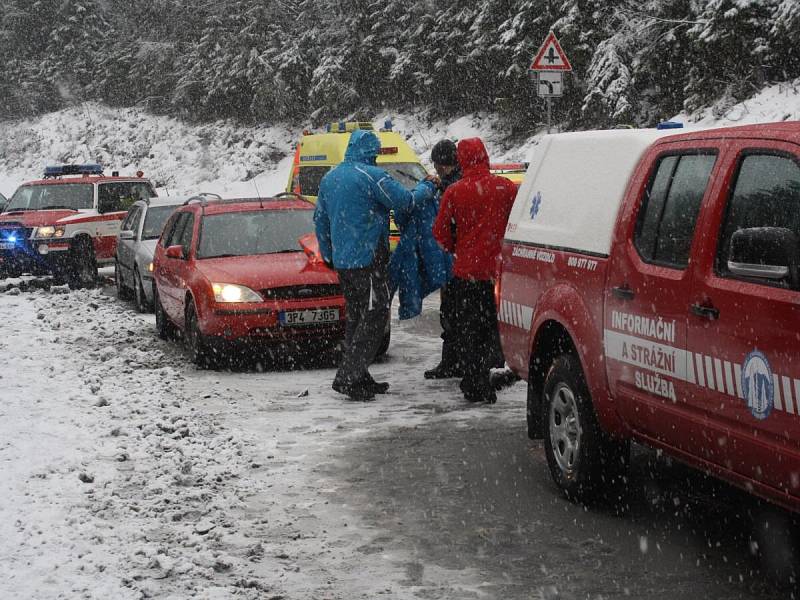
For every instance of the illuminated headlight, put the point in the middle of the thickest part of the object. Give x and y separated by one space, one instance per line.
48 231
150 267
229 292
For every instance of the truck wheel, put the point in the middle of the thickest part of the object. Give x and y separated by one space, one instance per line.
581 456
199 351
164 327
82 265
534 413
140 298
123 293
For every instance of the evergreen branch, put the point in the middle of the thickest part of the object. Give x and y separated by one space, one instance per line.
653 18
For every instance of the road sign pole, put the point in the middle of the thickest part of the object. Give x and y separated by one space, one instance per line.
549 113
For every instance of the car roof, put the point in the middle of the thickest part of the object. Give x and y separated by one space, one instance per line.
229 205
87 179
164 201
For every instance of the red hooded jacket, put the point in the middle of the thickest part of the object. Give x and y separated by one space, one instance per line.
473 214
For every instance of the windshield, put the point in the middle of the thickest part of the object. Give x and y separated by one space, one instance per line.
253 232
154 221
408 174
65 195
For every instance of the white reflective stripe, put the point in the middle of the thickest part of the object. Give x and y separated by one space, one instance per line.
527 316
776 391
797 393
710 373
737 371
718 375
701 378
501 314
731 388
690 367
787 394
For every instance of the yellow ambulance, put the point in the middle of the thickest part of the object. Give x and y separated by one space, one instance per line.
318 153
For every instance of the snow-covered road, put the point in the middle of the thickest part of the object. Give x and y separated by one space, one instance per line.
127 473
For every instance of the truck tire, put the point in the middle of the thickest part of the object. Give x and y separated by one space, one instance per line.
585 462
534 413
165 328
82 270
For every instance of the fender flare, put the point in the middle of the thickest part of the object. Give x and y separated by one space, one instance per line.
564 306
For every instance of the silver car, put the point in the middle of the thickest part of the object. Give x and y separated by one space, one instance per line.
136 244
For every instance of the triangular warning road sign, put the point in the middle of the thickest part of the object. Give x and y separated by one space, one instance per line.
550 56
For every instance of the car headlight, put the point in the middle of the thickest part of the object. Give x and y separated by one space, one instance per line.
150 267
49 231
230 292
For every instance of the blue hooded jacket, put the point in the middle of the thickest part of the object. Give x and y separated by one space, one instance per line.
419 265
352 213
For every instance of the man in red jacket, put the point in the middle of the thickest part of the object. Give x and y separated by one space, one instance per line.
471 223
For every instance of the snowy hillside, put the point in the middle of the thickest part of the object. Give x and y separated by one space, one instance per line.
233 160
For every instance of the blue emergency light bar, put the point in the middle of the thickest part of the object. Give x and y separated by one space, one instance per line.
669 125
59 170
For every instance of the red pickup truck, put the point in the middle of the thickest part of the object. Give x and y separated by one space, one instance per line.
650 291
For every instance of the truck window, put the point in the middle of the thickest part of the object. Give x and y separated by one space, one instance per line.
310 178
667 218
122 194
766 194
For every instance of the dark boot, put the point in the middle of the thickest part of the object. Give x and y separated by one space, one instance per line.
443 371
377 387
474 393
355 391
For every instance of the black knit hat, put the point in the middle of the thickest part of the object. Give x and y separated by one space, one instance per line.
444 153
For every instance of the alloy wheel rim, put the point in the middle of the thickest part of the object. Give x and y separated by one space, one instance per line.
565 428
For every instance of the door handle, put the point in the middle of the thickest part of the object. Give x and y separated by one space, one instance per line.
623 292
706 312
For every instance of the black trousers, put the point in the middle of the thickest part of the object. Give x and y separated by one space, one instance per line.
366 296
476 315
448 318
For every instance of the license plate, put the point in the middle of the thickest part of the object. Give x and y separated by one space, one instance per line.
310 316
7 245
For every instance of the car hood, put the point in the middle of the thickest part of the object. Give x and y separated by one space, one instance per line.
266 270
35 218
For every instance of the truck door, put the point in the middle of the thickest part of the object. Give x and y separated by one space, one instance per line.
648 290
744 320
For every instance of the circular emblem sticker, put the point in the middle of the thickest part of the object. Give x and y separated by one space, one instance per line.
757 385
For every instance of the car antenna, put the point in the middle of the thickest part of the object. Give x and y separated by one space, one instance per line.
257 192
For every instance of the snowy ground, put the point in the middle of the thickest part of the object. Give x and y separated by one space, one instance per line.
127 473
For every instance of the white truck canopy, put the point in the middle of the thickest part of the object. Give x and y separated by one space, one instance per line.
574 186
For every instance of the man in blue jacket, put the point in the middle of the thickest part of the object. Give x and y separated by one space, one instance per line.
352 226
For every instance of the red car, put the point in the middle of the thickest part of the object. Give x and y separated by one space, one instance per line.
233 275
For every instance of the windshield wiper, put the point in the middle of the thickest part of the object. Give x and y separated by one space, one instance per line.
221 255
58 206
284 251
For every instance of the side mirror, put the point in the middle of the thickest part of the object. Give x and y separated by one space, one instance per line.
175 252
766 253
127 234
